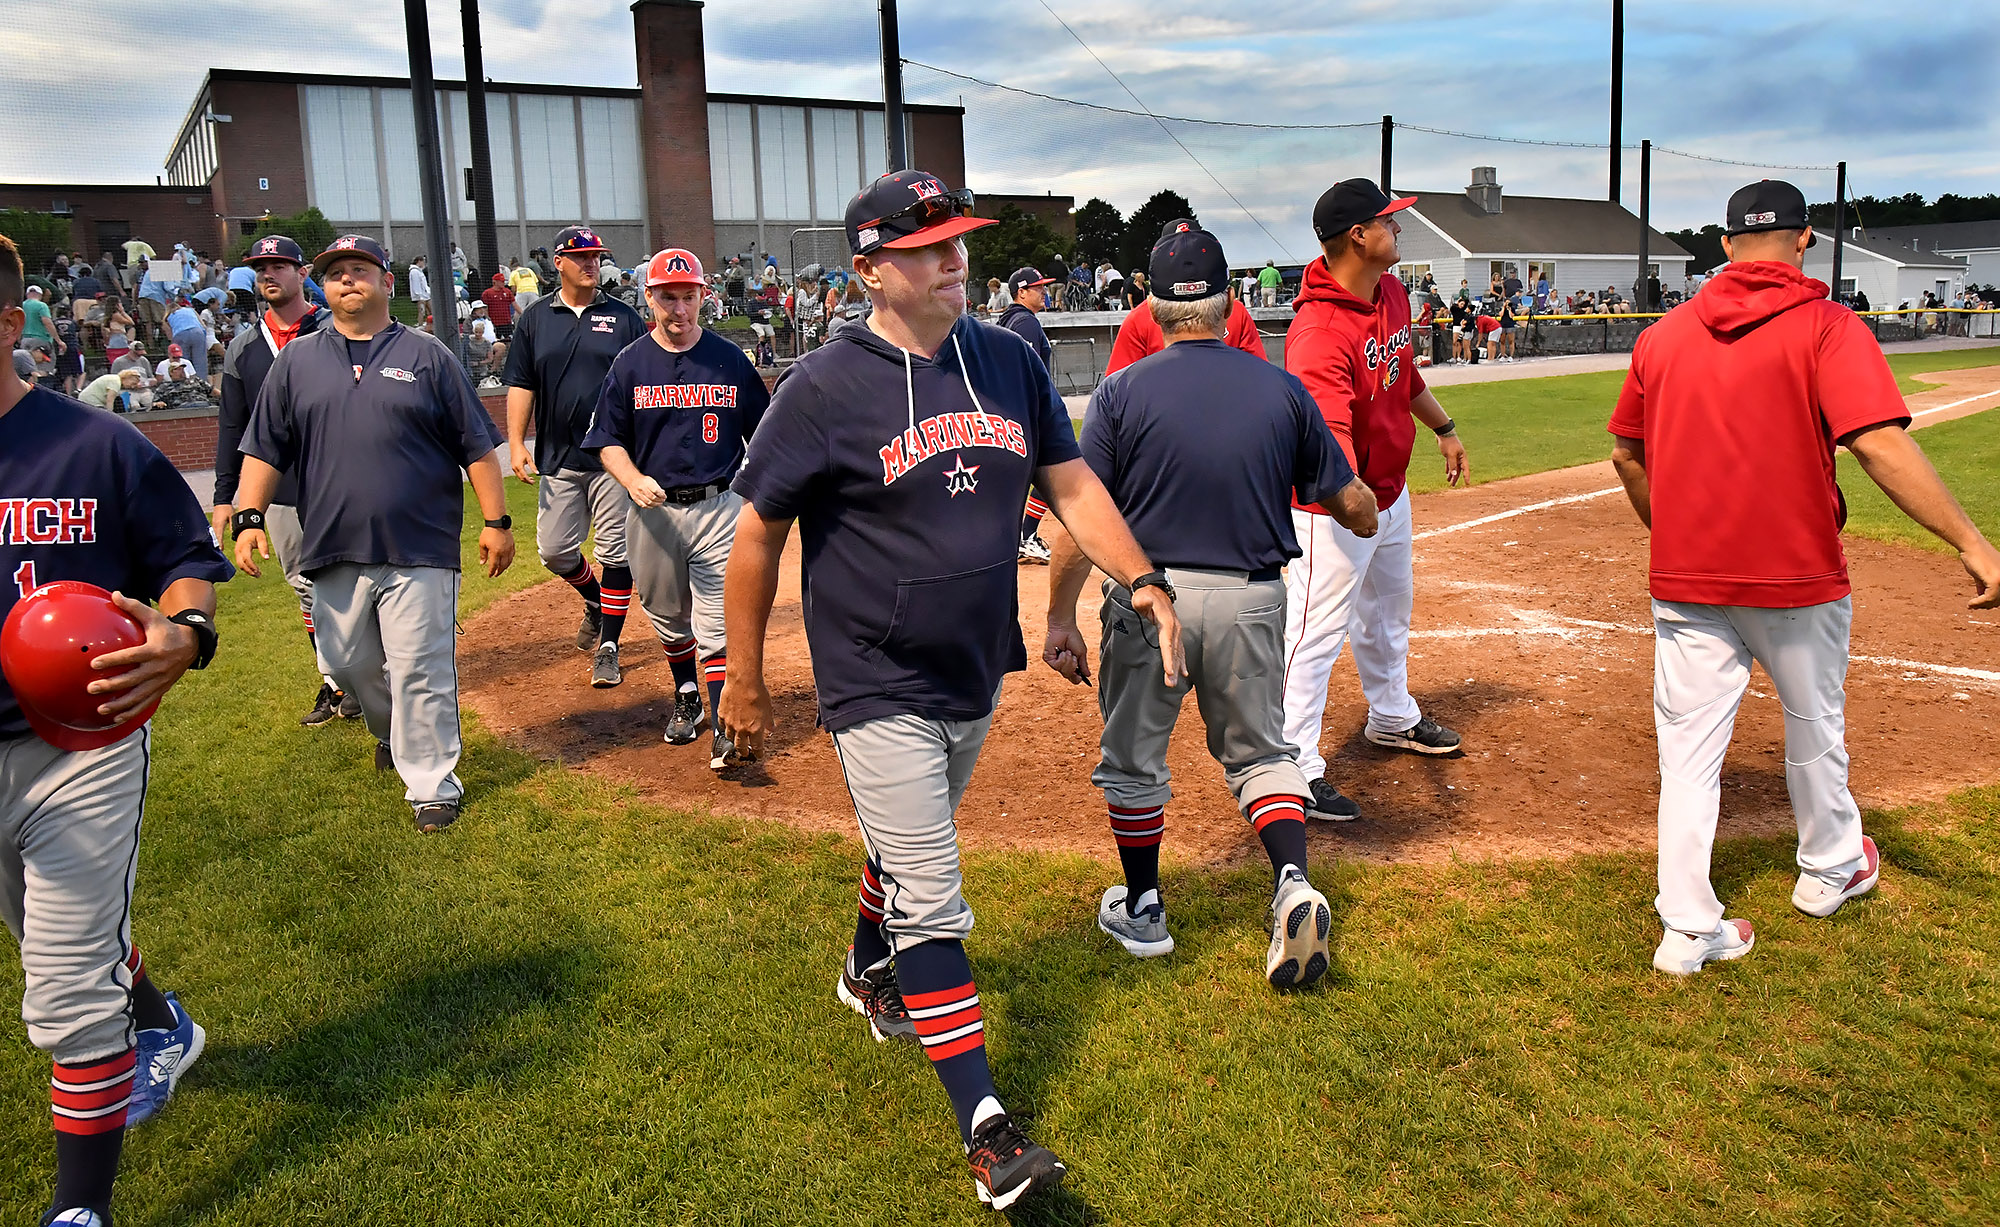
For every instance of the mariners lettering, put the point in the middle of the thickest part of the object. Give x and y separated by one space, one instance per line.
949 432
685 396
48 521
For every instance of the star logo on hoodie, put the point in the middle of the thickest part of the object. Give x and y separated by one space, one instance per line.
960 480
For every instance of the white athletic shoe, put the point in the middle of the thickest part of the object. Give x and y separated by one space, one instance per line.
1034 551
1817 897
1683 954
1144 936
1300 920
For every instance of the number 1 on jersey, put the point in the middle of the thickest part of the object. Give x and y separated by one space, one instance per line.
24 578
710 428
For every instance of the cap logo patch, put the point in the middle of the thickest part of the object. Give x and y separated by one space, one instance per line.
1183 228
586 238
1759 219
344 243
1190 287
678 264
267 247
926 188
868 235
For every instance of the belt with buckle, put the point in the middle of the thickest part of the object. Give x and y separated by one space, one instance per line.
688 496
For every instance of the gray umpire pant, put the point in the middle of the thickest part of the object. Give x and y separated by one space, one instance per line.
568 504
1233 629
678 556
389 634
906 774
287 537
69 852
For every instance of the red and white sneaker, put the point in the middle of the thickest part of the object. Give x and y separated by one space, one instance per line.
1816 897
1683 954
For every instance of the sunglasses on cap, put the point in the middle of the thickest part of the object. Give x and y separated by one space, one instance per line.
930 210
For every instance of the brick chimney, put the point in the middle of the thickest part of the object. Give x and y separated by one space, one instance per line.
1484 190
673 124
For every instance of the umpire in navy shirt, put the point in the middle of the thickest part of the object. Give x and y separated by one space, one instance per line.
1202 447
378 421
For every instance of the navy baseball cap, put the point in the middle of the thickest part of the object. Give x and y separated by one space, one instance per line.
1349 203
1187 265
910 208
1180 225
1026 276
572 240
274 247
351 245
1768 204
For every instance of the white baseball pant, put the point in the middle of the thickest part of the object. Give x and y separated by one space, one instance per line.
287 536
1701 666
1345 588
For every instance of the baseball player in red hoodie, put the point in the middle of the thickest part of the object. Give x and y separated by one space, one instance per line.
1725 434
1350 344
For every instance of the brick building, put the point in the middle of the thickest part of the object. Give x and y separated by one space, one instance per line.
101 217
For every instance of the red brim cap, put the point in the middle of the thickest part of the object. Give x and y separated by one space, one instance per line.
950 228
1397 206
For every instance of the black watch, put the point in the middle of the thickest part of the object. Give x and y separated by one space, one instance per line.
246 519
1155 579
503 522
204 634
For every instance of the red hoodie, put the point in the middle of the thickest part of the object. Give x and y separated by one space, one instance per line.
1357 360
1739 395
1139 335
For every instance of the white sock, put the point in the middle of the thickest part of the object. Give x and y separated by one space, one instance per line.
1150 899
988 1108
687 686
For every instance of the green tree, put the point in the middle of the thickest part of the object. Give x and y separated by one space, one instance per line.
1100 231
39 236
1015 239
1705 245
310 230
1909 209
1143 230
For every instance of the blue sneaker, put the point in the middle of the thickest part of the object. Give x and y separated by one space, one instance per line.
76 1216
163 1057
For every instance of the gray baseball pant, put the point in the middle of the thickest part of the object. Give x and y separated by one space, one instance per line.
906 774
287 536
390 635
1233 630
678 557
69 852
568 503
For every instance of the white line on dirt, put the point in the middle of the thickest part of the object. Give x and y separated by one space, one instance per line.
1518 511
1955 404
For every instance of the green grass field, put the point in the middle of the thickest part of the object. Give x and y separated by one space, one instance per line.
578 1008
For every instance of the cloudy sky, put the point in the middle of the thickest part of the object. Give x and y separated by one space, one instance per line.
1905 101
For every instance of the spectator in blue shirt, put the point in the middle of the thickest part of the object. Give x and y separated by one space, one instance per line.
184 326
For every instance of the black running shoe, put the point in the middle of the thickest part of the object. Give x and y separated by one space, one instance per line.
722 752
384 760
436 816
350 707
686 718
326 705
875 996
1426 736
590 630
604 670
1006 1166
1327 803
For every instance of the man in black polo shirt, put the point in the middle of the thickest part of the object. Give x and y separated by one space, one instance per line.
1208 495
379 420
562 349
1029 290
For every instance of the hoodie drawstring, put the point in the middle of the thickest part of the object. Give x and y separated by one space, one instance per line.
964 374
909 388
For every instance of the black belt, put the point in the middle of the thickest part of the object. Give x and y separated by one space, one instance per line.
688 496
1264 575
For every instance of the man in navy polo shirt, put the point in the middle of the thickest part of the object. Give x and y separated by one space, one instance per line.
378 421
671 423
1208 495
904 449
562 348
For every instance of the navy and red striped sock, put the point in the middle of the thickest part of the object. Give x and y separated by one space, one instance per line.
713 671
615 598
870 947
1280 820
936 981
88 1101
1031 519
585 584
680 658
1138 830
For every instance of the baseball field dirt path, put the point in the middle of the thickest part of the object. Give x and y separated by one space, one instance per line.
1532 638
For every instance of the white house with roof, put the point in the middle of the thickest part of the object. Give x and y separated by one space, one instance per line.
1889 273
1480 232
1978 243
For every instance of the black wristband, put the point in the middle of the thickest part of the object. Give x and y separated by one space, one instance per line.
205 636
246 519
504 522
1154 579
1449 427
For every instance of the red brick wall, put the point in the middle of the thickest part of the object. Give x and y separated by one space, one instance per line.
187 437
162 216
261 141
673 121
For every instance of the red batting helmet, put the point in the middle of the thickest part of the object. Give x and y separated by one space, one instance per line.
46 648
674 266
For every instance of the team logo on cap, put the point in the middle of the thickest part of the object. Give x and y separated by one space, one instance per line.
868 234
677 263
1183 228
269 247
344 243
1759 219
926 188
585 238
1190 287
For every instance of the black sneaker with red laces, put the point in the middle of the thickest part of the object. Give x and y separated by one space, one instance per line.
875 996
1006 1166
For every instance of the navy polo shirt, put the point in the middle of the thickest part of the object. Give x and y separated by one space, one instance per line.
683 417
907 486
1202 447
244 365
562 355
1020 321
378 443
85 496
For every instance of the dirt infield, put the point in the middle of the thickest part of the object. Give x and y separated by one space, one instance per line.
1532 638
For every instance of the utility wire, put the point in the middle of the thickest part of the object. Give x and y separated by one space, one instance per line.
1098 106
1275 241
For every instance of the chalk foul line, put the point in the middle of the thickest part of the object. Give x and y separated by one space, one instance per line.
1518 511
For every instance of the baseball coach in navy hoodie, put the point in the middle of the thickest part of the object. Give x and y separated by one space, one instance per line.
904 450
